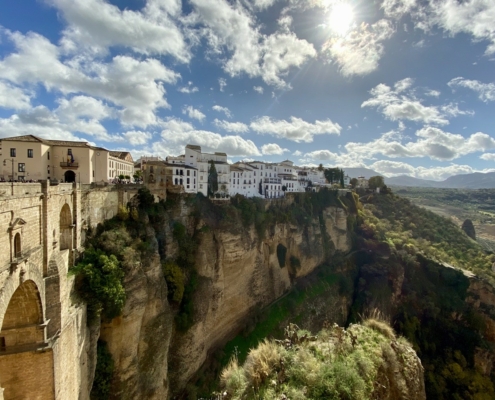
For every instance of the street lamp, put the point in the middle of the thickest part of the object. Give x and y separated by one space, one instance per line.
5 164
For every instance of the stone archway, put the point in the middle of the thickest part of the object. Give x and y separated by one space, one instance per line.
65 228
26 364
69 176
22 322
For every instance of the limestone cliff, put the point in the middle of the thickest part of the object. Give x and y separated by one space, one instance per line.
238 272
139 339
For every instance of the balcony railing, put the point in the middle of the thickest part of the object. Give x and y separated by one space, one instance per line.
69 164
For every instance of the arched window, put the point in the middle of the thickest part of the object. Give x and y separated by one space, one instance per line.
17 245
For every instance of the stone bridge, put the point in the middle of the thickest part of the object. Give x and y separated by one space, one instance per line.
45 344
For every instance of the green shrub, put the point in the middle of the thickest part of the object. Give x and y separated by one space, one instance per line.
281 254
99 281
175 281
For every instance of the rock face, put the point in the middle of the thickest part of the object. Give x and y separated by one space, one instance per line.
139 339
238 273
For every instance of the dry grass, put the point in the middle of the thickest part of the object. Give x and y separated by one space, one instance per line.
233 377
261 362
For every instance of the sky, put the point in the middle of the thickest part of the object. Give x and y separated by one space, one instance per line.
399 86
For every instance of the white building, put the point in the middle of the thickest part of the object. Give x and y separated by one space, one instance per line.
202 162
244 179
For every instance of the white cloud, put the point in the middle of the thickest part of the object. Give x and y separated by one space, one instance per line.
178 133
401 103
98 25
359 52
40 121
470 16
322 155
188 89
432 142
474 17
236 127
192 112
488 156
137 86
297 153
392 168
438 173
14 98
224 110
231 31
272 149
486 91
258 89
137 138
222 82
83 106
296 129
397 8
262 4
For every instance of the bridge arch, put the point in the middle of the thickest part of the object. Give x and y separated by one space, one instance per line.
22 324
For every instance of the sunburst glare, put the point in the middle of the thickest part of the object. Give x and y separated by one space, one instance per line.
341 18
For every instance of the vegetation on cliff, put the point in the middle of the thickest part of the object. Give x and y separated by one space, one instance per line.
402 250
410 229
363 362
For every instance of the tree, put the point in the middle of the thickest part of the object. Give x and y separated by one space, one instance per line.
376 182
341 178
468 227
284 188
260 188
212 179
320 167
333 175
353 182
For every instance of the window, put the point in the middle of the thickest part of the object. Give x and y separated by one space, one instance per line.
48 154
188 181
21 167
12 152
201 186
188 172
69 152
30 153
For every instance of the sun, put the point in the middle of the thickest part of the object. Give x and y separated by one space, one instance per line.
341 18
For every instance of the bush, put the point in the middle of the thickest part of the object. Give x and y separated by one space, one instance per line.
99 281
175 281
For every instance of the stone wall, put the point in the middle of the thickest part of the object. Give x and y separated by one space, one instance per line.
41 235
28 375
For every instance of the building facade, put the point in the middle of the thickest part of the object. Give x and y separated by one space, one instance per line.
30 158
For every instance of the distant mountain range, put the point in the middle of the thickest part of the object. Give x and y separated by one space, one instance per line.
476 180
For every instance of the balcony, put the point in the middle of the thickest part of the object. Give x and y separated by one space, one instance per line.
69 165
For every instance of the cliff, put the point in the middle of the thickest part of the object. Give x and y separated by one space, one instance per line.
240 273
238 268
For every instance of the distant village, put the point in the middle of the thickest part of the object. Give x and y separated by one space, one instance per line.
30 158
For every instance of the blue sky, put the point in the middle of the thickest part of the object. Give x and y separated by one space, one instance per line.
400 86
